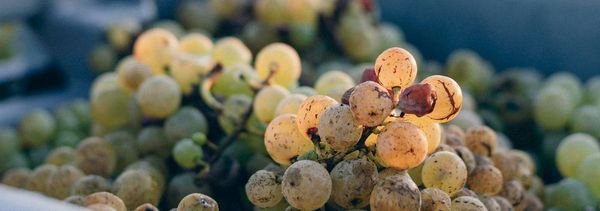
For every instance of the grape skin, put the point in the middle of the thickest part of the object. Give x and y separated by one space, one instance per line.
353 181
229 51
37 128
271 12
159 96
266 102
306 185
146 207
401 145
284 141
370 104
131 73
289 104
589 172
338 129
310 112
184 123
445 171
155 48
263 190
481 140
186 70
186 153
196 44
395 67
96 156
136 187
434 199
61 181
90 184
555 117
572 150
449 98
486 180
397 192
468 203
61 156
282 59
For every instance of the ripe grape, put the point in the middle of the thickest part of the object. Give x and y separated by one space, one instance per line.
109 102
358 37
131 73
146 207
125 147
310 111
282 59
96 156
584 120
184 123
159 96
181 185
553 117
284 141
155 48
197 202
486 180
468 203
90 184
152 140
272 12
567 81
415 174
105 198
435 199
433 132
465 192
449 98
513 191
303 11
589 171
391 36
504 204
196 44
370 103
136 187
187 154
467 156
16 177
397 192
572 150
229 51
37 128
401 145
289 104
530 202
186 70
333 84
61 181
38 181
235 80
395 67
338 129
102 58
353 181
263 190
445 171
306 185
481 140
266 102
61 156
470 70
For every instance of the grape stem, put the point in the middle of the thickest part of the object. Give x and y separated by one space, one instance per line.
207 84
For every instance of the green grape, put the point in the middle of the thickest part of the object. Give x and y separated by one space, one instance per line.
289 104
120 34
272 12
568 81
555 117
169 25
131 73
159 96
102 58
198 202
485 180
401 145
90 184
467 156
187 154
397 192
588 173
197 15
109 102
302 35
96 156
306 185
125 146
390 36
37 128
445 171
155 48
481 140
257 35
10 143
61 156
467 119
186 69
7 37
284 141
153 141
66 119
591 87
67 139
332 81
304 90
137 187
61 181
310 112
435 199
338 129
105 198
570 194
38 181
572 150
359 39
469 70
263 190
234 108
77 200
352 182
370 104
226 9
16 177
584 120
395 67
184 123
196 44
266 102
229 51
235 80
182 185
449 98
467 203
146 207
283 60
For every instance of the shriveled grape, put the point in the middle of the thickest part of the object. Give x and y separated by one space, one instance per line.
263 190
338 129
197 202
306 185
434 199
353 181
481 140
96 156
395 193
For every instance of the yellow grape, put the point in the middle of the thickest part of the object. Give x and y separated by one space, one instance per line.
155 48
481 140
159 97
370 104
433 132
272 12
284 141
310 112
290 104
485 180
228 8
445 171
281 58
131 73
334 84
196 43
303 11
449 98
401 145
186 69
266 102
395 67
229 51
